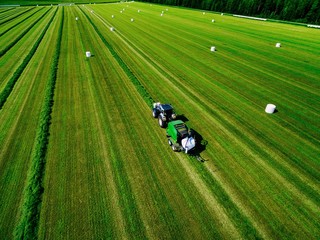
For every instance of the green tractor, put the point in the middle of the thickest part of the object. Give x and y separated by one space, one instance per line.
180 138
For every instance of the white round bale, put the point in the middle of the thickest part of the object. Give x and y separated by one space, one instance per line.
77 18
112 16
161 14
212 20
132 19
112 29
221 14
88 54
138 10
278 44
213 49
270 108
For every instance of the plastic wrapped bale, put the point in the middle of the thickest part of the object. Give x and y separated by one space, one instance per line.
213 49
88 54
132 20
212 20
278 44
112 29
270 108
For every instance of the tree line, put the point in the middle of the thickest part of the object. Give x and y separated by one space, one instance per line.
305 11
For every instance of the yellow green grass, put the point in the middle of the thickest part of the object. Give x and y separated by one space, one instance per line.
109 172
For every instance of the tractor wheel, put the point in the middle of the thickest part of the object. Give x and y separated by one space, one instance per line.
169 141
161 122
155 113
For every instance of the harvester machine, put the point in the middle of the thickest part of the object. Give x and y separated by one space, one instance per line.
180 138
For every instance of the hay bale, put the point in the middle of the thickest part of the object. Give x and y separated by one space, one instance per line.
213 49
88 54
112 16
203 13
212 20
77 18
167 9
120 11
161 14
221 14
132 20
270 108
138 10
112 29
278 45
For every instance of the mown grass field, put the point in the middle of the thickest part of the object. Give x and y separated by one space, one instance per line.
82 158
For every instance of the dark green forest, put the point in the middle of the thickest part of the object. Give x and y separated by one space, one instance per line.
305 11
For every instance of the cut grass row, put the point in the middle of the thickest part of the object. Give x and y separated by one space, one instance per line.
17 21
242 223
11 43
133 189
19 119
221 109
12 81
4 18
28 224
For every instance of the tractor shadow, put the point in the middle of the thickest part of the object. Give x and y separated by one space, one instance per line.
201 145
182 118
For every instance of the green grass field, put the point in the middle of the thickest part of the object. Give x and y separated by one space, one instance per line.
82 158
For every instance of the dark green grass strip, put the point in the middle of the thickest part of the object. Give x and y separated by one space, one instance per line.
30 212
1 34
10 45
140 88
15 16
12 81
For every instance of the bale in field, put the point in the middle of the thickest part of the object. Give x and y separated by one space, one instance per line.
213 49
278 45
270 108
88 54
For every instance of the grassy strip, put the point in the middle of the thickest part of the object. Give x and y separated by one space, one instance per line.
242 222
1 34
8 88
27 227
10 45
140 88
15 16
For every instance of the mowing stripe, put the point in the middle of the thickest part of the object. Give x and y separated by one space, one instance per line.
12 81
140 88
11 44
15 16
28 224
243 223
22 20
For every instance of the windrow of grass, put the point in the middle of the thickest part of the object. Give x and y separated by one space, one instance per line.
242 223
19 119
6 28
237 132
4 18
28 224
103 178
12 42
12 81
